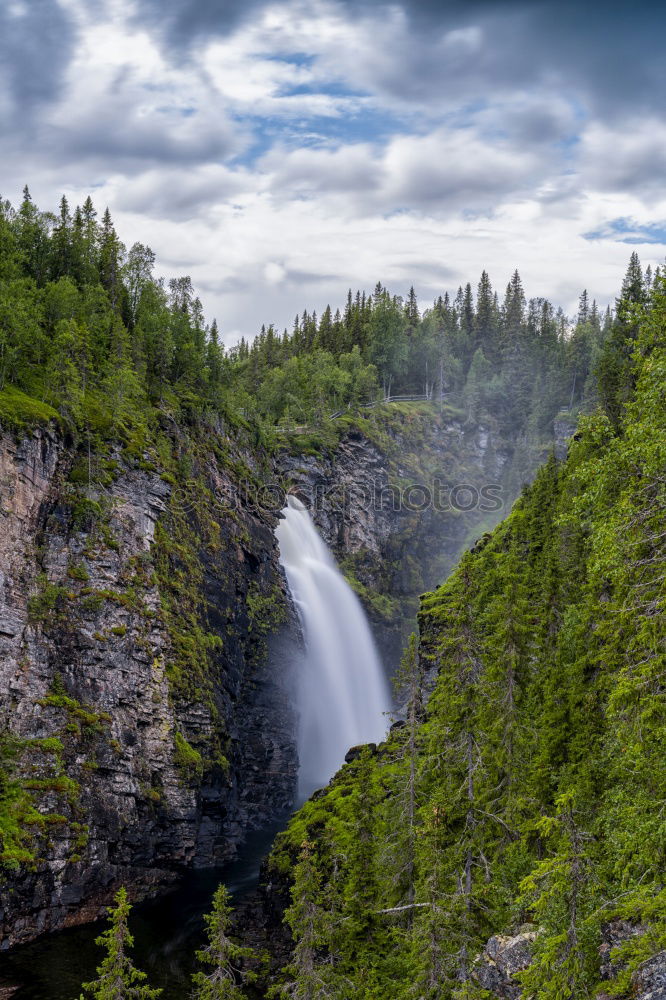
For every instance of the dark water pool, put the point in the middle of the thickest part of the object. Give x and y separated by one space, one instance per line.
167 931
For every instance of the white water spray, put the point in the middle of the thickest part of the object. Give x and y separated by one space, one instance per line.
342 691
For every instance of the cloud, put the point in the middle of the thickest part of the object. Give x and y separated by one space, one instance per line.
37 42
447 171
458 170
274 273
630 156
281 152
630 231
183 22
305 173
421 51
170 193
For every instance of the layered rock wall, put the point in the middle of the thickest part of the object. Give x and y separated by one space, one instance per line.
121 772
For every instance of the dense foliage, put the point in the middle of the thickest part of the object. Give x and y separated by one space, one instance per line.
87 330
531 788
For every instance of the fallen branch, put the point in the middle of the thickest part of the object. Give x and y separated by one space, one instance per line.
399 909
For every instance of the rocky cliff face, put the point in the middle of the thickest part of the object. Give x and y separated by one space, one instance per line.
146 636
145 711
400 496
497 969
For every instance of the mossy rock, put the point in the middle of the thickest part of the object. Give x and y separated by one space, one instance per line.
19 411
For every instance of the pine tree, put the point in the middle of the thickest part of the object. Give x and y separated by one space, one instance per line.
32 228
486 320
403 806
559 892
117 977
361 887
62 242
513 312
214 356
616 365
110 257
456 770
312 970
467 317
325 337
412 314
222 957
583 307
473 391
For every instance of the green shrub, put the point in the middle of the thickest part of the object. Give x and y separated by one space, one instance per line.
77 572
187 758
19 411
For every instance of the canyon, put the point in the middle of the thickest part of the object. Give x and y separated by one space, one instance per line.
147 636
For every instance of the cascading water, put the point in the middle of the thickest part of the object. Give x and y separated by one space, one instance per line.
343 696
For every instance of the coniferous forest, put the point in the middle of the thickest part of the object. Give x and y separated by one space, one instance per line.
519 795
91 334
525 797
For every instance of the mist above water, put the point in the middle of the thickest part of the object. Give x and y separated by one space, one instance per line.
342 692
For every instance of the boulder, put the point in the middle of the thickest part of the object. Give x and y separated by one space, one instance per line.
649 980
501 959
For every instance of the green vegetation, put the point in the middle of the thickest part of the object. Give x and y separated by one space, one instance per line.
28 770
117 976
180 575
187 758
81 720
89 336
381 605
19 411
33 771
221 958
48 603
529 789
77 572
266 612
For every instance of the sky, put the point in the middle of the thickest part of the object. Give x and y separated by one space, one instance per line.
282 152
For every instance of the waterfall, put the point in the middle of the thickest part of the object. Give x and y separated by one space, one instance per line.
342 692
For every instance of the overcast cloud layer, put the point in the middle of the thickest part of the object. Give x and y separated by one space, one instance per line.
281 152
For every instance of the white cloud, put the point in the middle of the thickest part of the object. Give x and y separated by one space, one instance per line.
274 273
628 156
471 177
447 171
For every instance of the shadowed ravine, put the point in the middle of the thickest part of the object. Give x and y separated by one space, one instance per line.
167 931
343 700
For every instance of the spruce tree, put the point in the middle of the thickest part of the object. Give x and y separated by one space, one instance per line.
117 977
110 257
486 320
221 956
616 365
62 242
311 972
402 804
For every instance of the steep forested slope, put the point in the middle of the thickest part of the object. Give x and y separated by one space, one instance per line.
528 794
141 725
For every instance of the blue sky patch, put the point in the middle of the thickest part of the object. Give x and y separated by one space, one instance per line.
625 230
363 126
